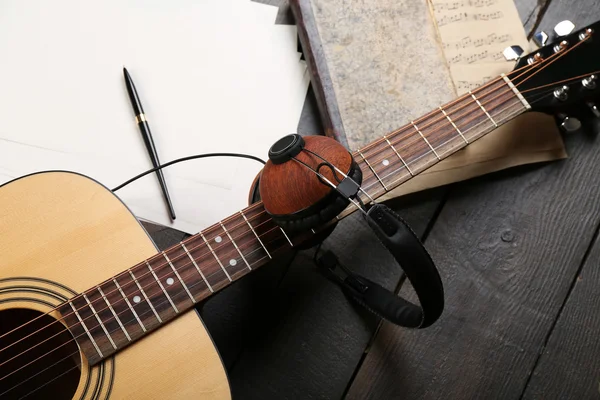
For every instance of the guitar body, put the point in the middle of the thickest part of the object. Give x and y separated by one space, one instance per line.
60 234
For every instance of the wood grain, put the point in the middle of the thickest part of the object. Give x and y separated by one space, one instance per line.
569 366
508 247
69 229
531 12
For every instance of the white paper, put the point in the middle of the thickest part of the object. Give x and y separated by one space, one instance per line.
213 76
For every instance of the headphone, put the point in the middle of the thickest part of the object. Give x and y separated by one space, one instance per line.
307 182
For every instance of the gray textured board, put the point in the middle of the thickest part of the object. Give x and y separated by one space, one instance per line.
569 367
508 246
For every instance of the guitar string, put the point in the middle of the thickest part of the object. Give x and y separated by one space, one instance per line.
147 311
183 255
393 133
563 81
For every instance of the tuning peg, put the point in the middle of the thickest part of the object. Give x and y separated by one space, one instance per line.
513 53
564 28
540 38
589 82
594 109
569 124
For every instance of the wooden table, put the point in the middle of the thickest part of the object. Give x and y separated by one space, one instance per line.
520 259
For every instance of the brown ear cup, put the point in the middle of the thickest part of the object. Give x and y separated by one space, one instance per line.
293 194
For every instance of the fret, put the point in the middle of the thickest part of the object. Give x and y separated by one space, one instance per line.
467 114
369 179
135 299
179 277
254 232
157 299
186 274
162 288
273 237
425 139
247 240
129 305
197 267
399 156
215 255
166 277
83 325
516 91
412 148
484 110
145 296
454 125
236 246
99 321
114 314
384 161
200 252
374 173
286 237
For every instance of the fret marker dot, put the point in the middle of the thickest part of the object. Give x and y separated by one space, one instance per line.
232 262
385 162
137 299
170 281
218 239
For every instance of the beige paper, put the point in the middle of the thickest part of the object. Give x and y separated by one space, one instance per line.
473 34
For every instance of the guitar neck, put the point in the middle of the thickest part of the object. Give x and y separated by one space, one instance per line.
108 317
397 157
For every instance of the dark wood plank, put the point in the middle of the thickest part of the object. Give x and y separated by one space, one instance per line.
508 247
570 364
581 12
531 13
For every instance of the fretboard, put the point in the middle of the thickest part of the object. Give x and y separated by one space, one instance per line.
112 315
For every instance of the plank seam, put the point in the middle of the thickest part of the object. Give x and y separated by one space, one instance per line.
562 306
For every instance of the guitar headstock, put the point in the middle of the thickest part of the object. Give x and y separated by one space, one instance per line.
563 77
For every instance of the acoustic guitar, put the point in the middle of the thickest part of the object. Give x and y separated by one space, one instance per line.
89 309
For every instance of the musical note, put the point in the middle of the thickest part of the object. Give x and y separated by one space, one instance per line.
468 16
473 34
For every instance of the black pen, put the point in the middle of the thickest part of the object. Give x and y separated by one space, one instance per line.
142 123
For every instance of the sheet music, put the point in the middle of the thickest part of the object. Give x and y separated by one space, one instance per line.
473 34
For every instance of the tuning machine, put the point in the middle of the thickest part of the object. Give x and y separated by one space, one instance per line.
594 109
563 28
568 124
513 53
540 39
